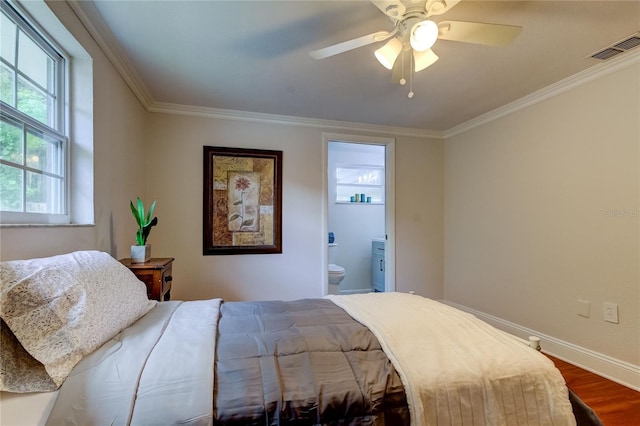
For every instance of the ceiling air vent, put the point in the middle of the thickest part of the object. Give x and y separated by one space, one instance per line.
607 53
631 42
617 48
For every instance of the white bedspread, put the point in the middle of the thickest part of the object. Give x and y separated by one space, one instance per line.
458 370
150 374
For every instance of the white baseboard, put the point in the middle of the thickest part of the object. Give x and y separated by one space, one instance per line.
613 369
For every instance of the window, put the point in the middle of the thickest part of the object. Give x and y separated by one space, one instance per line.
33 141
358 179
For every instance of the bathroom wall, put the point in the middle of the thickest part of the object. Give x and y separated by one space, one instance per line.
354 225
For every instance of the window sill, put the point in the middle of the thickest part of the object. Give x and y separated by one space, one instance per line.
47 225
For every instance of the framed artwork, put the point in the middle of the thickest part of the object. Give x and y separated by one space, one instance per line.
242 201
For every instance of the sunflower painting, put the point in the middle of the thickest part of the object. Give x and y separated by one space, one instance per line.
242 201
243 191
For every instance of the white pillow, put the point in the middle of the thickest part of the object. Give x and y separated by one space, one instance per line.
62 308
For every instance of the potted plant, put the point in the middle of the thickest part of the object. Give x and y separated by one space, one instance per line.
141 252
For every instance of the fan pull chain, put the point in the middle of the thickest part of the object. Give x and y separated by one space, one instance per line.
410 94
403 81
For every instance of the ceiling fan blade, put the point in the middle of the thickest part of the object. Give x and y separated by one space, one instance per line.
392 8
325 52
478 33
438 7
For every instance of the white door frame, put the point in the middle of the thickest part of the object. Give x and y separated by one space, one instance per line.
389 205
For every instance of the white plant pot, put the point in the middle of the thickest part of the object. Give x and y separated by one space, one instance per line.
140 254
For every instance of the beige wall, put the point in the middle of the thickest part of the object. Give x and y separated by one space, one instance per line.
119 147
174 176
419 217
542 209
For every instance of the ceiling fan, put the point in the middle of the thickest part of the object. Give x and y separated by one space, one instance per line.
415 33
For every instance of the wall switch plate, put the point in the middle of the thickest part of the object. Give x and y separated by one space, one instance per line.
610 312
584 308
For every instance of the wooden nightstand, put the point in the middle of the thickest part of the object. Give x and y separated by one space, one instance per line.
156 275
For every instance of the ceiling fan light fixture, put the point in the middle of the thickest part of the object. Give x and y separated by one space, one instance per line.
423 35
388 53
424 59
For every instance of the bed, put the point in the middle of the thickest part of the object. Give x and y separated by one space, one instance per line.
79 329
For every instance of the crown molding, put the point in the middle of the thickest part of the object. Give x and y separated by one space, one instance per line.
289 120
541 95
93 22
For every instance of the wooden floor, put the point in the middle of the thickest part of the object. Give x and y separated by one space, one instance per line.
615 405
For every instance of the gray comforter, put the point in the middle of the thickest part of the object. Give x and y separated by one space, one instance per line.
303 362
268 363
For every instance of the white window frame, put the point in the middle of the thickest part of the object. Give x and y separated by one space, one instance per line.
58 130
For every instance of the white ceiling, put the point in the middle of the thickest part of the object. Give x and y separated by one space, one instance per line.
253 56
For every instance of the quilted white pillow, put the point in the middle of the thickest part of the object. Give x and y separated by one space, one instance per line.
62 308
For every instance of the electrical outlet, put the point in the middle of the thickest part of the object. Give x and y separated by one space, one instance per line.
610 312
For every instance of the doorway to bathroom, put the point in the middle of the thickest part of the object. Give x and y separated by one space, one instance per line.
359 214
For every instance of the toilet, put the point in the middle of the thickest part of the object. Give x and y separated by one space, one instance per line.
336 272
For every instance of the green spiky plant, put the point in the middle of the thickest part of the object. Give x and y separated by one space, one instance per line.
145 222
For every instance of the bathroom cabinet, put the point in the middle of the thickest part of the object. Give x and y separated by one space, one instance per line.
377 265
